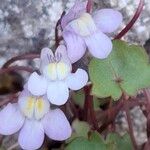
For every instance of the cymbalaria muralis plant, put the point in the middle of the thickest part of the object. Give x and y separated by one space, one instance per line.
78 105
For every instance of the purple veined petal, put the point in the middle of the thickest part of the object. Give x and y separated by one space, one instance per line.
61 52
46 55
75 46
107 20
78 8
77 80
64 66
58 92
99 45
37 84
31 136
11 119
56 125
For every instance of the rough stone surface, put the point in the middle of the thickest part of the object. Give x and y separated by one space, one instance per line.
28 25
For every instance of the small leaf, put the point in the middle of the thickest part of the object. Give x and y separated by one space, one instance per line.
80 129
116 142
79 98
95 142
127 68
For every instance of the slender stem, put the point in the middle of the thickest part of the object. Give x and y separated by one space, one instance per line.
112 125
131 132
20 57
8 98
57 38
92 113
106 114
133 20
86 104
16 68
147 113
89 6
89 108
114 111
147 95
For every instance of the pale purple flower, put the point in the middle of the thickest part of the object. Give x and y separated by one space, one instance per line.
56 78
32 117
82 30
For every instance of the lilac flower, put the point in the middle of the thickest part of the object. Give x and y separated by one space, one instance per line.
56 78
33 117
82 30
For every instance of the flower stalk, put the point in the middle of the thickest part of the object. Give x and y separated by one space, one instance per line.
133 20
127 111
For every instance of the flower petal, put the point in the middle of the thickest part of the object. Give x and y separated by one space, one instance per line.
37 84
78 8
107 20
77 80
75 46
46 55
56 125
82 26
26 103
42 107
11 119
31 136
57 93
61 52
45 52
99 45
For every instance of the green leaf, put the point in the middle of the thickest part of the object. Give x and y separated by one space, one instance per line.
79 98
95 142
80 129
127 68
116 142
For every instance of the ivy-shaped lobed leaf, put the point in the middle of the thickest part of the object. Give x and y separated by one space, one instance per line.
79 98
80 129
116 142
96 142
127 69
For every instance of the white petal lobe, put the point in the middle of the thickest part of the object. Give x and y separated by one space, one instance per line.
31 136
77 80
56 125
37 84
11 119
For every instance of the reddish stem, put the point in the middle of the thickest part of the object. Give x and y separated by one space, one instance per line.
57 38
106 114
89 113
20 57
86 104
133 20
147 95
114 111
131 132
6 100
89 6
16 68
